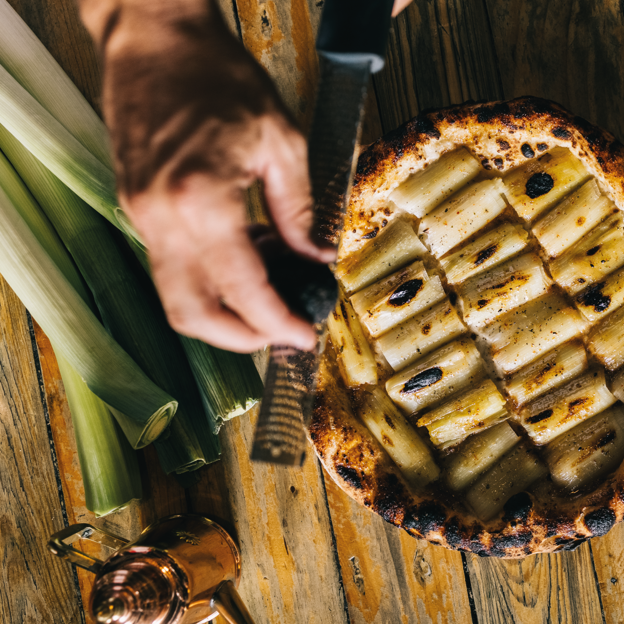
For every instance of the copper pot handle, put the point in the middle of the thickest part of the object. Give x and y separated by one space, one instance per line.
59 545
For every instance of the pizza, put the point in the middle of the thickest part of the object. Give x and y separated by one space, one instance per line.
471 388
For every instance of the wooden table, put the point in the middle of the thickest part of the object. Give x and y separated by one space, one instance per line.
310 554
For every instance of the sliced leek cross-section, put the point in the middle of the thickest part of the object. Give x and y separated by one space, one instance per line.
396 246
588 451
398 438
518 470
463 215
550 371
541 183
595 256
488 251
355 359
421 334
618 385
502 289
524 334
606 340
603 297
435 377
473 410
557 412
478 454
572 219
386 303
423 191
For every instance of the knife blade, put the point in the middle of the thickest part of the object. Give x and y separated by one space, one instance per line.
351 45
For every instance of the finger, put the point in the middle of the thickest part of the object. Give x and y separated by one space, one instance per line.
284 171
399 5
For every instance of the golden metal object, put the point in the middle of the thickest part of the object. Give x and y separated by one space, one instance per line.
183 569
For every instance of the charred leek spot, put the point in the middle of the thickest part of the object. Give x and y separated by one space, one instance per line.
422 380
527 151
482 303
539 184
594 298
593 251
485 254
371 234
389 421
606 439
539 417
577 405
405 293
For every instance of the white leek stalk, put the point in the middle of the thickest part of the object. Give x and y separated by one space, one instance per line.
423 191
524 334
421 334
488 251
606 340
355 358
108 464
541 183
478 454
589 451
618 385
30 63
394 247
398 438
473 410
603 297
518 470
572 219
549 372
502 289
463 215
435 377
555 413
390 301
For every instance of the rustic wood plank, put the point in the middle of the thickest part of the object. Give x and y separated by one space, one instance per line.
608 556
36 586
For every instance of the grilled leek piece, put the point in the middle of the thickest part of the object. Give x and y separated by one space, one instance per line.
355 359
435 377
572 219
603 297
606 340
589 451
396 246
618 385
518 470
549 372
541 183
478 454
557 412
473 410
423 191
390 301
595 256
398 438
524 334
486 252
502 289
421 334
463 215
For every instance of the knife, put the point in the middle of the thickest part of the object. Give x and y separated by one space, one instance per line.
351 45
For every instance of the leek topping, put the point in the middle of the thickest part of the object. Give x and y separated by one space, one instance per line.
606 341
603 297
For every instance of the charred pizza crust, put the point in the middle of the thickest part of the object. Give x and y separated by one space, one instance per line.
502 135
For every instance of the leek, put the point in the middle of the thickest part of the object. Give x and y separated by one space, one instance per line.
588 452
541 183
423 191
560 410
435 377
398 438
606 341
550 371
463 215
591 259
396 246
618 385
421 334
572 219
478 454
386 303
518 470
500 290
108 464
603 297
486 252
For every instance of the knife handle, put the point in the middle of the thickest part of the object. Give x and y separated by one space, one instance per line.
355 29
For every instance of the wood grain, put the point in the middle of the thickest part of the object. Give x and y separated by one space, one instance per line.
608 555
